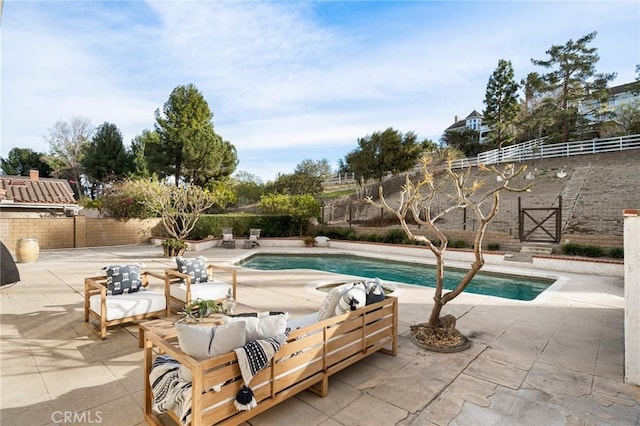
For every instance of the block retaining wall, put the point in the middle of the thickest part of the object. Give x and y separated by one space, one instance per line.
78 231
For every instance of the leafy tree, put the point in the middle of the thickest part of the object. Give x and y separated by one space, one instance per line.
67 141
467 141
186 146
383 152
320 168
416 202
306 179
627 118
247 187
300 207
501 100
20 160
179 207
139 151
574 81
105 158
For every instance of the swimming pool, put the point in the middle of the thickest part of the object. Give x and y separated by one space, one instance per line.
506 286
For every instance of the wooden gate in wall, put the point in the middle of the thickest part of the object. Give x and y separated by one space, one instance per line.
540 224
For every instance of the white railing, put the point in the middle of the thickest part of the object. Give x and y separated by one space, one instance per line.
535 149
341 178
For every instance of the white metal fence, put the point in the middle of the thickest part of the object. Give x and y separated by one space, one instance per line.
535 149
341 178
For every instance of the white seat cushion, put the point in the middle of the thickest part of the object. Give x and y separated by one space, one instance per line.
129 304
211 290
303 321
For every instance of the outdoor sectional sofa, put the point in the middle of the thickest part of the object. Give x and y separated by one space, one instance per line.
311 354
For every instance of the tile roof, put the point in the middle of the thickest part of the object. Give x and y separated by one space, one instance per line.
23 190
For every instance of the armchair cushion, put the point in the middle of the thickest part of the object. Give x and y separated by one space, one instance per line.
212 290
129 304
122 278
195 268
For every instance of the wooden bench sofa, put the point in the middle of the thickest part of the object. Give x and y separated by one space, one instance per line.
311 355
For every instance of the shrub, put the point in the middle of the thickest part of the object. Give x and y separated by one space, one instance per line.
269 225
616 253
580 250
394 236
457 244
493 246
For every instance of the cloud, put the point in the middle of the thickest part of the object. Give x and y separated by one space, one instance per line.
290 78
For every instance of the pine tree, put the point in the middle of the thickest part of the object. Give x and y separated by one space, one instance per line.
106 158
574 81
501 100
186 146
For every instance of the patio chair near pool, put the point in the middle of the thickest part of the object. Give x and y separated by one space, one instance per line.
253 241
228 240
120 296
195 279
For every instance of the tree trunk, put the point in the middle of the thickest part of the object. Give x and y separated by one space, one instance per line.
434 319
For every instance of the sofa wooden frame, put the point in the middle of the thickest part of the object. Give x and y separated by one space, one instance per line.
312 354
98 285
175 277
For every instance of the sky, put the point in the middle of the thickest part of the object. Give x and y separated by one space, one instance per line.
286 81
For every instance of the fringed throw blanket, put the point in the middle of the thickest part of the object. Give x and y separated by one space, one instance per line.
253 357
169 392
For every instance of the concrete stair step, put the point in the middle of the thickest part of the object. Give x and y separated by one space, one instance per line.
519 257
536 248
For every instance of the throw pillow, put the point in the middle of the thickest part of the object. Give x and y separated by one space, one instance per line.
354 298
195 268
202 342
328 307
122 278
262 326
375 292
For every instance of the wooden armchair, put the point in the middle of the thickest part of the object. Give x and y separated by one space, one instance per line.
182 288
111 309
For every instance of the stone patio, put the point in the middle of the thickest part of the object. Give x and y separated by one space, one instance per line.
555 361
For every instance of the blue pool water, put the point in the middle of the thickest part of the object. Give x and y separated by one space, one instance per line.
507 286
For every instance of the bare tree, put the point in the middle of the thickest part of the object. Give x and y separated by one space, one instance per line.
179 207
416 199
67 141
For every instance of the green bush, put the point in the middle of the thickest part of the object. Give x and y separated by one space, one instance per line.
394 236
616 253
269 225
457 244
336 233
493 246
580 250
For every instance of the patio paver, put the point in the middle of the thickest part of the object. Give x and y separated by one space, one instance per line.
557 361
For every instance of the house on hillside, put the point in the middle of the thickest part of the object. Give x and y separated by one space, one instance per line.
32 196
473 121
619 96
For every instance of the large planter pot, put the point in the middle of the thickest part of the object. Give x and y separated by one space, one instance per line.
173 252
27 250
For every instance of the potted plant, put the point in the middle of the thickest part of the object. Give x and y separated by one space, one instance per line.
174 247
309 241
197 309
